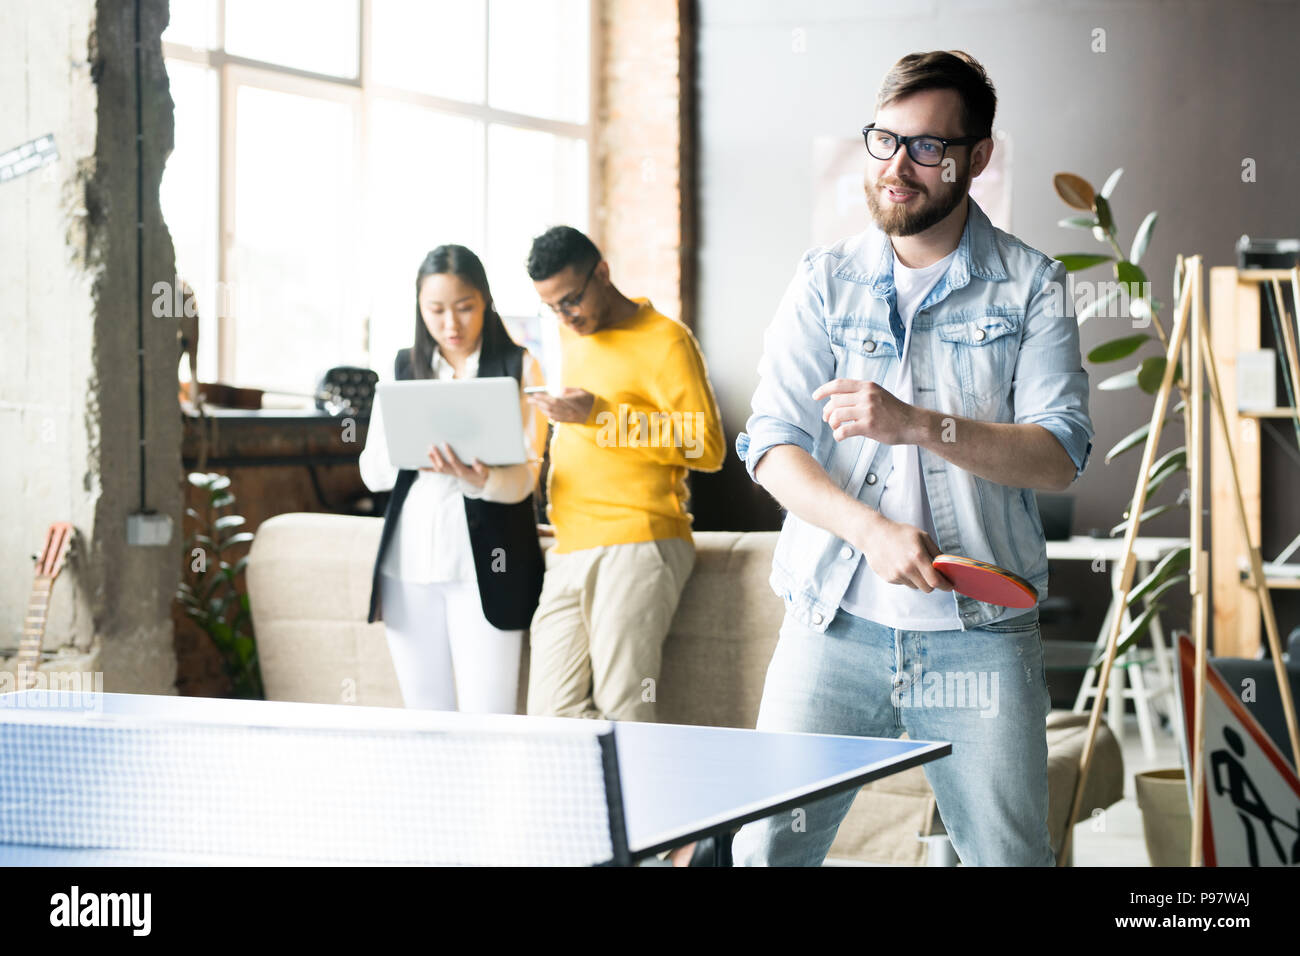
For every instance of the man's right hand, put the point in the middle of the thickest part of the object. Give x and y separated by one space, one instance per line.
901 554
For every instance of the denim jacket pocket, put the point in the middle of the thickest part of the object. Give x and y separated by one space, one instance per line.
861 352
979 353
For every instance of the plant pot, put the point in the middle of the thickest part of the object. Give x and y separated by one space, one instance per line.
1166 818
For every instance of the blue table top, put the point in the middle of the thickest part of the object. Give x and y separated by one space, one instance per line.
678 782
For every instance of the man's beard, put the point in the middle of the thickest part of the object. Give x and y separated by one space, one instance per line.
896 219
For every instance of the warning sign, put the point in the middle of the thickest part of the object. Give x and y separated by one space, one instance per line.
1252 795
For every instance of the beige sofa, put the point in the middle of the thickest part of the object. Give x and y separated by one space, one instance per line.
309 583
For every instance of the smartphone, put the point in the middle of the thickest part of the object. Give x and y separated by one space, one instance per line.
535 390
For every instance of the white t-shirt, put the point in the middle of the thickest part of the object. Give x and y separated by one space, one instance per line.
903 498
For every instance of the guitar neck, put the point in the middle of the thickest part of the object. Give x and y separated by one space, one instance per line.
29 648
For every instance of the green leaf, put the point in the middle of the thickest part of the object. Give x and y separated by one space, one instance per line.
1150 374
1142 239
1131 275
1159 479
1134 438
1078 222
194 514
1076 261
233 571
1097 305
1146 516
1109 186
1176 456
1101 206
199 479
220 501
222 634
1122 380
216 583
1133 633
1155 595
1116 349
228 521
1173 563
234 539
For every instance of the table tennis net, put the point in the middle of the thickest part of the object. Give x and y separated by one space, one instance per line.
313 795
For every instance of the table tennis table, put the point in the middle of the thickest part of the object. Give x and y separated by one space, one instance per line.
121 779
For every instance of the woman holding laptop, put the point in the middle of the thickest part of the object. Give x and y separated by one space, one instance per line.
459 568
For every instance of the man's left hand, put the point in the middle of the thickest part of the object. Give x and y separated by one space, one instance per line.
571 405
867 409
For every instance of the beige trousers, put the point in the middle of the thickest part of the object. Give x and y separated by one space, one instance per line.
597 635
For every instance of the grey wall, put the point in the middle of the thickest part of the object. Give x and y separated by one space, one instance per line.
1185 90
69 382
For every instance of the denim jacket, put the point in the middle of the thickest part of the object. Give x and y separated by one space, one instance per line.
995 340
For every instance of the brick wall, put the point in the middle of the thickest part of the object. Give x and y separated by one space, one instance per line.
644 129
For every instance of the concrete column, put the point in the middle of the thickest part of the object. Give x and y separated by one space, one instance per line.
70 309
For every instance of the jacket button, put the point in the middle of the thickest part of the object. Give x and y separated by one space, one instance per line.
846 552
871 478
817 619
979 335
868 346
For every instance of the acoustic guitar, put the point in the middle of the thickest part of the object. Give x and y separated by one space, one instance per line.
58 541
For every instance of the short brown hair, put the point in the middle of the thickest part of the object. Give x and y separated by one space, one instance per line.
945 70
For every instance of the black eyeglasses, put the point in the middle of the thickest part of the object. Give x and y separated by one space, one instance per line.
922 150
569 304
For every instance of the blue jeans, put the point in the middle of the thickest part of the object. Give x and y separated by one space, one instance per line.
982 690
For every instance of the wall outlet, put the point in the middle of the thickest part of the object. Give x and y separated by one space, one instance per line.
148 529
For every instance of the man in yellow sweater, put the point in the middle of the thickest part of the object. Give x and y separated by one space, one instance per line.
636 414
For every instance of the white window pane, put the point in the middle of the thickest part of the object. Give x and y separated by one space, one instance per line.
315 35
294 250
538 57
429 46
535 181
189 198
192 23
425 190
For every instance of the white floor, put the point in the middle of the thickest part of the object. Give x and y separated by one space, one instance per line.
1117 840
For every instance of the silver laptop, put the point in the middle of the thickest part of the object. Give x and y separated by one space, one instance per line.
478 417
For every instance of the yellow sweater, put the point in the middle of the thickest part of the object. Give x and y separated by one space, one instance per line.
621 476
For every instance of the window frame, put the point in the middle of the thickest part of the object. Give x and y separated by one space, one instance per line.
360 92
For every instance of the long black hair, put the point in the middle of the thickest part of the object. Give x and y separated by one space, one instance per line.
462 263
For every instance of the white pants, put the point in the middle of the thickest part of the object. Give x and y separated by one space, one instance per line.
446 654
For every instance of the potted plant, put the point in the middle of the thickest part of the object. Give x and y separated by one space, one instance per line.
1130 296
209 589
1161 794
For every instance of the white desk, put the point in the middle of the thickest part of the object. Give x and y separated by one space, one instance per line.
1104 553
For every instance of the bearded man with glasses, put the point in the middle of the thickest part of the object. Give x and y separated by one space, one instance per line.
918 382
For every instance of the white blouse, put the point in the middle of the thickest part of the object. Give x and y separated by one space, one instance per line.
431 541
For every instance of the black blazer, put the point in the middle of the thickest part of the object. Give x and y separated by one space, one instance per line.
503 538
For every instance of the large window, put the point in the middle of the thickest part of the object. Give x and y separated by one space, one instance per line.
323 147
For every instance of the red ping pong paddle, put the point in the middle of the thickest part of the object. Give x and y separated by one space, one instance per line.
986 582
